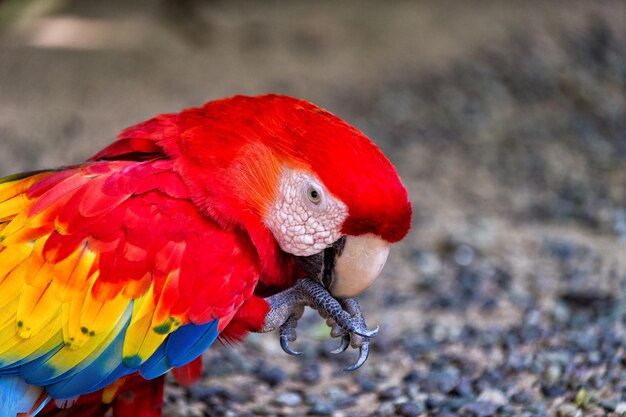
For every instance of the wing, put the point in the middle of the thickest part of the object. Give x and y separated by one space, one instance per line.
108 269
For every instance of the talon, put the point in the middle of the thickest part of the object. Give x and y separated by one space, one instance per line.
345 342
284 344
343 316
364 352
288 334
366 332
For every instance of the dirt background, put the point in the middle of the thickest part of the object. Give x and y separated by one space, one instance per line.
506 121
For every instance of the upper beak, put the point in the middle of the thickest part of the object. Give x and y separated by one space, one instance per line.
349 266
357 265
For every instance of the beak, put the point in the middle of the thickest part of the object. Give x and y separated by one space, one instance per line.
349 266
357 265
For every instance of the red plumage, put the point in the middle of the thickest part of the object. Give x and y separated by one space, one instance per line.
135 397
176 206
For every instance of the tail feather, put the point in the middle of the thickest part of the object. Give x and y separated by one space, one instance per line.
135 397
140 398
188 374
43 401
16 396
89 405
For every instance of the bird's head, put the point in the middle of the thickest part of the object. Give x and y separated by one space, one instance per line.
319 187
325 191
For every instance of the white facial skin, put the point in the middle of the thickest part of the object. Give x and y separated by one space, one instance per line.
304 218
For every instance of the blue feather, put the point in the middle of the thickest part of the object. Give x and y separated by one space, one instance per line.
41 406
10 370
188 342
16 396
156 365
180 348
14 367
105 369
39 361
117 373
39 372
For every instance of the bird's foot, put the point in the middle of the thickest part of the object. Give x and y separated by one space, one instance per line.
343 316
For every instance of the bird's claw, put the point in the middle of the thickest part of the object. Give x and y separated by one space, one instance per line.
359 338
288 334
365 332
284 344
364 352
355 341
343 316
345 343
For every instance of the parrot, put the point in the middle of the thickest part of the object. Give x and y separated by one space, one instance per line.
190 227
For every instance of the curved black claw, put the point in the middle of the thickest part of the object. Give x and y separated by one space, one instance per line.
344 316
288 334
367 332
345 343
284 344
364 352
349 319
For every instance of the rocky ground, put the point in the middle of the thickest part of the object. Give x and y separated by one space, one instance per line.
506 122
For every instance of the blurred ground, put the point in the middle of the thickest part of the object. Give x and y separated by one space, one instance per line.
506 120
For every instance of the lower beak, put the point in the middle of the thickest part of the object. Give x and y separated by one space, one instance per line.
357 265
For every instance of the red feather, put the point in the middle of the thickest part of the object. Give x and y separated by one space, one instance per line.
140 398
177 204
189 374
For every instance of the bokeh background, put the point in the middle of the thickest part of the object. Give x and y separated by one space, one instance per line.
506 121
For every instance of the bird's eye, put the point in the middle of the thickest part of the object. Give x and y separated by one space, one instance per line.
314 195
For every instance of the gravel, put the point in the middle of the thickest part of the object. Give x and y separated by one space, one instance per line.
515 309
506 298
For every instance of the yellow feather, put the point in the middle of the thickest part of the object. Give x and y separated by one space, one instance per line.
38 273
7 318
12 256
22 228
70 275
140 322
17 348
11 287
110 392
24 235
136 288
11 207
47 216
98 316
37 306
7 328
70 313
12 188
170 291
18 223
9 189
159 330
68 358
149 327
151 343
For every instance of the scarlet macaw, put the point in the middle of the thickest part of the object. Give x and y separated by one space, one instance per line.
212 222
